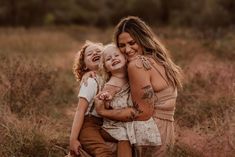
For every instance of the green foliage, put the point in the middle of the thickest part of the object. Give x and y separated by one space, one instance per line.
49 19
201 13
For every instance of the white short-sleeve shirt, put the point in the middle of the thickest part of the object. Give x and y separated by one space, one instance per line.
88 92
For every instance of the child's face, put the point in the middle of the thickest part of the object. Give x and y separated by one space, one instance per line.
114 59
92 56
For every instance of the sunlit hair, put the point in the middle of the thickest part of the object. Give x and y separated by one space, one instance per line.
79 66
102 69
144 37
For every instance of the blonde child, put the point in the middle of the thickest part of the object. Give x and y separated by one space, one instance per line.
116 95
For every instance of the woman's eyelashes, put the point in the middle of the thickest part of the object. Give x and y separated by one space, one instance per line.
129 43
121 45
132 42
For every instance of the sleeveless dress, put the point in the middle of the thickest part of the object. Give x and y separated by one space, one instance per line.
163 118
137 132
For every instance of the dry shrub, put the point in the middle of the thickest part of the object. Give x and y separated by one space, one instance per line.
35 41
30 87
221 43
32 97
33 94
183 150
207 94
27 85
30 137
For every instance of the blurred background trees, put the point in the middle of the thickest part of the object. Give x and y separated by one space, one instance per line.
103 13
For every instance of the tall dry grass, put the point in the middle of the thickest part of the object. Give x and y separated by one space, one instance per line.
31 136
38 91
34 91
31 109
208 92
205 123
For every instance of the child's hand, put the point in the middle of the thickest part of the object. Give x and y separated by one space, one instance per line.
107 105
99 106
74 147
85 77
106 96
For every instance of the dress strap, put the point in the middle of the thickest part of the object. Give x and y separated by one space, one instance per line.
148 64
93 104
141 62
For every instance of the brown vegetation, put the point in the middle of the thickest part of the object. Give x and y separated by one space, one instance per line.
38 91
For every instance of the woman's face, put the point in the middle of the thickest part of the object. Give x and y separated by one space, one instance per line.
92 56
128 46
114 60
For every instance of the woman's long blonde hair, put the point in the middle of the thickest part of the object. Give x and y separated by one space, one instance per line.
145 37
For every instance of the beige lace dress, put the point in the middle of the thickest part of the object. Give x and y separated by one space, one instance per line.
140 133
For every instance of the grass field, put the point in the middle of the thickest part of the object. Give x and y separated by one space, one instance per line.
38 90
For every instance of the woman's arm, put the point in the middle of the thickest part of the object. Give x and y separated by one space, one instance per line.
141 90
77 124
125 114
142 95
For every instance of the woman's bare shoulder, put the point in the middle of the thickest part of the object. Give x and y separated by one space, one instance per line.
139 62
137 72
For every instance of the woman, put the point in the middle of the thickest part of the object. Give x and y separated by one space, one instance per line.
153 79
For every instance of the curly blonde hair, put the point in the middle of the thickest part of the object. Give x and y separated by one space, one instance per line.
102 69
79 66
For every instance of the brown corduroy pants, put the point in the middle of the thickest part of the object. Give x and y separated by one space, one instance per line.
91 139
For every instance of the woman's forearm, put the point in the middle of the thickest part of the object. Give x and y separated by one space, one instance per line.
124 115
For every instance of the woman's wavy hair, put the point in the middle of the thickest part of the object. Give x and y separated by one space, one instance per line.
145 37
79 66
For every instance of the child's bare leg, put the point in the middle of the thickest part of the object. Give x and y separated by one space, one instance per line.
124 149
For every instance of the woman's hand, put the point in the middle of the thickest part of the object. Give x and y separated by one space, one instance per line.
74 147
85 77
